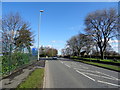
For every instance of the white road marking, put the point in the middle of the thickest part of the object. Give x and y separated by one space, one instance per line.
108 83
85 75
67 65
85 67
98 72
61 62
74 63
84 70
99 76
109 76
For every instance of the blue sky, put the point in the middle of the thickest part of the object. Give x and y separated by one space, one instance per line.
60 20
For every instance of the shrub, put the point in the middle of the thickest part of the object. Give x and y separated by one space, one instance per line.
13 61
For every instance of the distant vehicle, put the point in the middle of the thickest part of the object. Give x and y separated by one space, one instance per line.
55 58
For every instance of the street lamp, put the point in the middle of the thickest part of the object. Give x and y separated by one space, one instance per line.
39 30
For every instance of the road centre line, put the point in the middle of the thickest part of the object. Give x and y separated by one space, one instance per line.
85 75
108 83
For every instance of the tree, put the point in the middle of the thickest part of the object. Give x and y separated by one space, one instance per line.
15 32
66 51
72 44
24 39
78 43
108 49
86 43
10 24
47 51
102 25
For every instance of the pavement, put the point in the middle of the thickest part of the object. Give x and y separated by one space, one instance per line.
13 80
65 73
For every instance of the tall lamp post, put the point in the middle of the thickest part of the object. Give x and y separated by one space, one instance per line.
39 30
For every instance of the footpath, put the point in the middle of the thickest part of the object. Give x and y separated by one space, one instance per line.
13 80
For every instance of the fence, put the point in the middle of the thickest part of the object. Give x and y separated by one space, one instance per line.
9 63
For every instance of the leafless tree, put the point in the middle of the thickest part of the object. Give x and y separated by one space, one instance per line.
11 25
79 42
102 25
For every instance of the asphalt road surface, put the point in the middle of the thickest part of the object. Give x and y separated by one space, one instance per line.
64 73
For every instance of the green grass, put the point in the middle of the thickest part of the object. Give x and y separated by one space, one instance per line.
102 65
104 60
0 58
35 80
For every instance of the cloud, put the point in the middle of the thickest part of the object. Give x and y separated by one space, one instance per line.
53 41
57 41
49 46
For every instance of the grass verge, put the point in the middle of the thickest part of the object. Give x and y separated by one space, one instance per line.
34 80
112 67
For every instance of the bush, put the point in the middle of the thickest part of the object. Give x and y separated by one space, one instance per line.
13 61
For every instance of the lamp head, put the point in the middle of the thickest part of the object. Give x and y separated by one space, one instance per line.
41 10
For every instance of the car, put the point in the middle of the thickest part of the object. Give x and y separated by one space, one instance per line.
55 58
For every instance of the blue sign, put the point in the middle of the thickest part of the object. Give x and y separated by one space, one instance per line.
34 51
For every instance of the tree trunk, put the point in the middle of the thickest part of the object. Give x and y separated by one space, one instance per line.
102 54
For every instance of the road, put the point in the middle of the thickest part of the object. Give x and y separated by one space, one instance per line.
64 73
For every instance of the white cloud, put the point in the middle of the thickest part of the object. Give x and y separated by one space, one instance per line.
49 46
53 41
57 41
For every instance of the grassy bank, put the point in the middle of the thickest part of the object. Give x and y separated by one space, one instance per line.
112 67
34 80
98 59
104 60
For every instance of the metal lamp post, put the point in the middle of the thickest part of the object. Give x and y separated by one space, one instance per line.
39 31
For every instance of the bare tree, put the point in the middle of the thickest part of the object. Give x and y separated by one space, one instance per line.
102 25
79 42
86 43
11 25
72 44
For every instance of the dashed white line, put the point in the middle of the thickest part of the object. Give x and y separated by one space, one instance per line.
61 62
67 65
108 83
85 75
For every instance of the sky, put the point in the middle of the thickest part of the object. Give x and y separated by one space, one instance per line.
59 0
59 21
